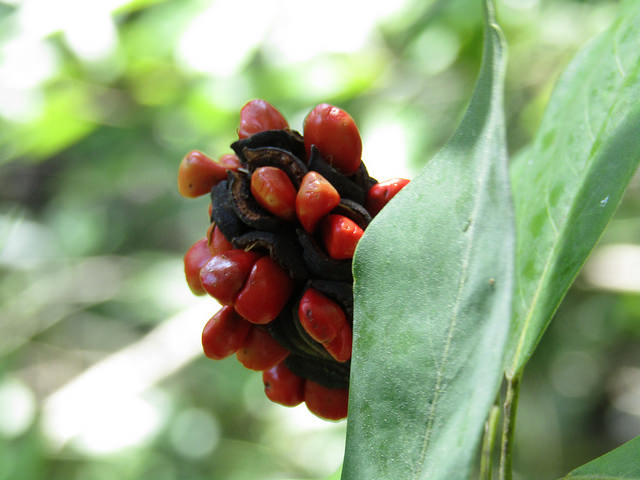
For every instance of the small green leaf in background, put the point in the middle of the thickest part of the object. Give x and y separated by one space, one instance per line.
433 289
623 463
568 184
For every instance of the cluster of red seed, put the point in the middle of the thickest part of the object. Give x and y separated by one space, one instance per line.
240 262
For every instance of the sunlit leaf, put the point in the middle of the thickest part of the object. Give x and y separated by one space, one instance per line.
433 283
570 182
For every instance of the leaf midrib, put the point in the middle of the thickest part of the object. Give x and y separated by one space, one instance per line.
481 181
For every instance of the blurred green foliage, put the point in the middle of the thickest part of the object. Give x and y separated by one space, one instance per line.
100 100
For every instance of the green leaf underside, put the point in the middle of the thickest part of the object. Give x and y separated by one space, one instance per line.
433 287
623 463
568 184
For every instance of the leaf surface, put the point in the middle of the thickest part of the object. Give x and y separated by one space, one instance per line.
433 286
623 463
568 184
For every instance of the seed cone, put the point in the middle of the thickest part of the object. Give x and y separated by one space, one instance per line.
292 269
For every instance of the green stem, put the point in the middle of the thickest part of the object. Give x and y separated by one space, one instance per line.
509 426
489 442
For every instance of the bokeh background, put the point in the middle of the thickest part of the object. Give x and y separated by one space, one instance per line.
101 371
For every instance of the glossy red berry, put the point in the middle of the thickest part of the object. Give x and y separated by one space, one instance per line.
329 403
196 258
340 347
334 133
340 236
273 190
224 276
316 197
380 194
321 317
260 351
266 292
217 241
258 116
282 386
198 173
229 161
224 333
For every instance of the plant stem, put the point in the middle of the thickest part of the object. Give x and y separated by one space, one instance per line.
509 426
489 442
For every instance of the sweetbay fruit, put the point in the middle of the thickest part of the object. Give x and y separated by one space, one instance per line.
286 214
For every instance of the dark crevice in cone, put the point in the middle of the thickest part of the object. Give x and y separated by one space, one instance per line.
223 213
354 211
362 178
286 139
276 157
345 187
319 263
282 246
328 374
339 292
246 207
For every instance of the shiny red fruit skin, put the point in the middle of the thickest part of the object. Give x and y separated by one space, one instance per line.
198 173
266 292
260 351
328 403
282 386
229 161
335 134
380 194
273 190
340 236
224 333
258 116
218 243
224 276
321 317
340 347
316 197
196 257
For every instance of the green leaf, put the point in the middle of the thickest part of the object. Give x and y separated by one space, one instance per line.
570 182
623 463
433 286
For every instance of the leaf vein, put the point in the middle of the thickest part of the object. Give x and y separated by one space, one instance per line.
616 56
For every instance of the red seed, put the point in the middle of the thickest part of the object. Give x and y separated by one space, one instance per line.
380 194
273 190
341 236
224 276
266 292
196 257
260 351
340 347
218 243
316 197
282 386
229 161
329 403
258 116
334 133
224 333
198 173
321 317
